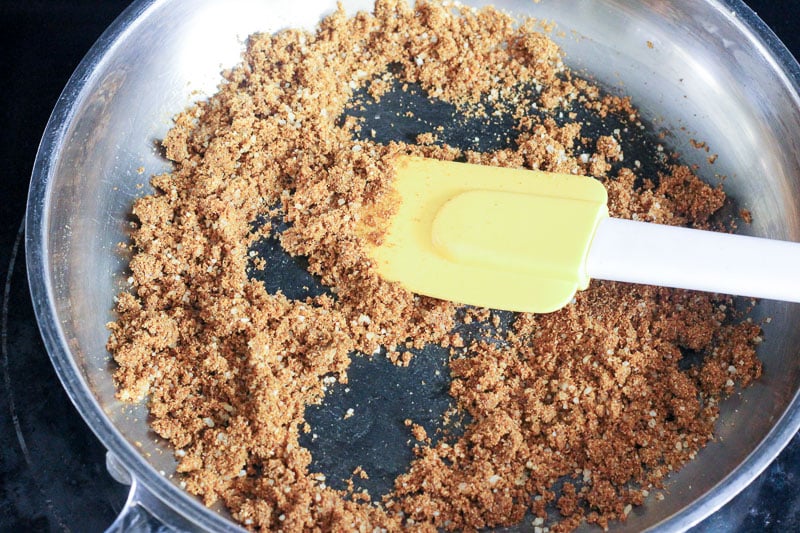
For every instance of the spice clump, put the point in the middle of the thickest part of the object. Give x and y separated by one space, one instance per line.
573 416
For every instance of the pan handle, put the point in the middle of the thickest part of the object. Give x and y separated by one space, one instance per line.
143 512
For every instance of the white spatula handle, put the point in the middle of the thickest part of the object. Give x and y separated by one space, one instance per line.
654 254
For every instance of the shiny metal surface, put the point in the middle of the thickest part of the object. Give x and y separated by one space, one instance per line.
714 70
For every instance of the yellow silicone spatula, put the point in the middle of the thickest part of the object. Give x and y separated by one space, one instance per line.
525 240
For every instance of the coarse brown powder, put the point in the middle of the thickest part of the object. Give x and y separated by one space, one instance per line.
579 413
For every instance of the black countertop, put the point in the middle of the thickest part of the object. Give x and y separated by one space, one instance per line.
52 468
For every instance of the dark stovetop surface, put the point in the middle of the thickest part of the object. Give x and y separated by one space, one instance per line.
52 468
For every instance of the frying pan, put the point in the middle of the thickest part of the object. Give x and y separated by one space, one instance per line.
715 72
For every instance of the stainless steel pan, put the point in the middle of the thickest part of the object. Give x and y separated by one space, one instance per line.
714 70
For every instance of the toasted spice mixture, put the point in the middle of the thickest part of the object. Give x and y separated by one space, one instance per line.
573 416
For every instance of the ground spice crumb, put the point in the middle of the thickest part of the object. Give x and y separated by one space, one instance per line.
592 395
426 138
419 433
